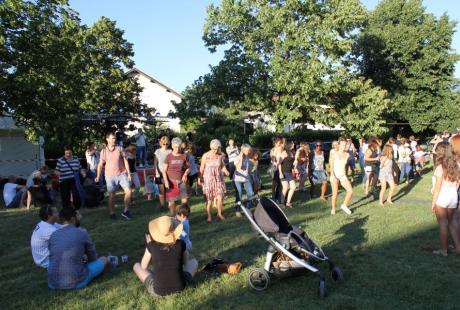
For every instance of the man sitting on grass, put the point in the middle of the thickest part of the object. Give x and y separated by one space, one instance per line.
73 262
42 233
13 194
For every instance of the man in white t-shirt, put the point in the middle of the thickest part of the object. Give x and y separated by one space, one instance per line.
13 194
42 173
42 233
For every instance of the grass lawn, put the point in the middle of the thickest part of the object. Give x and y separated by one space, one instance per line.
385 255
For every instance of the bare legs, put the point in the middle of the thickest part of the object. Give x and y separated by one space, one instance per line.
288 191
335 192
390 194
447 224
218 204
323 190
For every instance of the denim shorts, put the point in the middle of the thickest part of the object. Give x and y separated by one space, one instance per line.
114 181
287 177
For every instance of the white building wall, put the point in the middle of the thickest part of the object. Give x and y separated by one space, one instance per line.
157 96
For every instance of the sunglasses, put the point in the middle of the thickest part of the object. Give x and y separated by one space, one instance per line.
318 145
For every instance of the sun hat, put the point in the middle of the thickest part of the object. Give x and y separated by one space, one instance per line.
162 230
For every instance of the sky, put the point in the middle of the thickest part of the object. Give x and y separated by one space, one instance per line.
167 34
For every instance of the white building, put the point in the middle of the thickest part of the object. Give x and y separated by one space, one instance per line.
159 96
18 156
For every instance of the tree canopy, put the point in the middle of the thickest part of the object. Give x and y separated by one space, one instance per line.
408 52
56 71
330 62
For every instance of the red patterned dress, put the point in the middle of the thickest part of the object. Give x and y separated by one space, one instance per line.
213 178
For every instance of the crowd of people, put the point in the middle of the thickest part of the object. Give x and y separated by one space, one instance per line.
67 252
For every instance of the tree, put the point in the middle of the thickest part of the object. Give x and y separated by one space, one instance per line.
55 71
408 52
300 49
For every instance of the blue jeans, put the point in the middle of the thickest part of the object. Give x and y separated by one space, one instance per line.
95 268
247 187
141 154
361 165
406 169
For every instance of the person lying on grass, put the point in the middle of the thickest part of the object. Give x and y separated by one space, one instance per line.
167 257
41 235
73 261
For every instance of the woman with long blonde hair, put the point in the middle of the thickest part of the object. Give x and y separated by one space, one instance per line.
386 174
445 197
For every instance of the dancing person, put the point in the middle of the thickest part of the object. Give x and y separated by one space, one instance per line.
73 260
212 170
318 170
275 153
351 164
301 164
338 162
232 154
361 151
386 174
287 179
445 196
175 173
371 169
166 256
131 153
160 156
404 154
68 168
241 176
141 147
254 173
92 159
194 170
116 174
41 235
419 159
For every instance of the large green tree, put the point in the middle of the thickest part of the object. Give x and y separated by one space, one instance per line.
56 71
408 52
294 55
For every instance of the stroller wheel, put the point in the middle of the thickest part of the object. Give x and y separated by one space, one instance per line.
322 289
336 275
259 279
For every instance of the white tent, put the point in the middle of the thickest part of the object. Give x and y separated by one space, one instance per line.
18 156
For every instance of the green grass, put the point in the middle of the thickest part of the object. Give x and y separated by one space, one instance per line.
385 254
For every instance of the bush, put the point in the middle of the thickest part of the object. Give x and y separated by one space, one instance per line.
263 139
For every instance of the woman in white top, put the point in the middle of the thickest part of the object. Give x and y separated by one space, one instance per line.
160 156
445 197
405 159
386 174
338 162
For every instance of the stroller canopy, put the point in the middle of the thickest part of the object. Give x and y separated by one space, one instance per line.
270 218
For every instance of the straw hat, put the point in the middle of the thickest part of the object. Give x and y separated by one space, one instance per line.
162 230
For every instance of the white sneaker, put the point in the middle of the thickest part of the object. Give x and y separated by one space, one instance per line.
238 214
333 212
345 209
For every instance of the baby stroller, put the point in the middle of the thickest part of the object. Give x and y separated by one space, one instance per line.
290 250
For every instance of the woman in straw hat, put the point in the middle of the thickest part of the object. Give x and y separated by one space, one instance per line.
165 254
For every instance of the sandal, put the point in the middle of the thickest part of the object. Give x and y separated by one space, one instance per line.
440 252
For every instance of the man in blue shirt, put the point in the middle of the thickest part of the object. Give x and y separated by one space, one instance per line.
73 260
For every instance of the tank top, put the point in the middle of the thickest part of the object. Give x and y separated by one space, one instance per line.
373 155
318 161
339 166
287 164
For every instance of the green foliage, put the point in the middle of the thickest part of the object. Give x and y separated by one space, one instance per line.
56 71
288 59
408 52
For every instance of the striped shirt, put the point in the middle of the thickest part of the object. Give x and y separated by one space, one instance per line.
39 242
64 168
